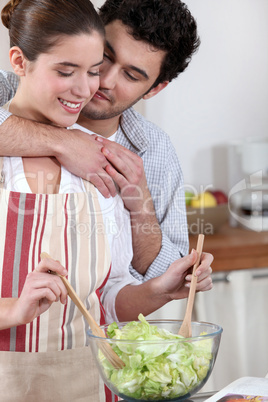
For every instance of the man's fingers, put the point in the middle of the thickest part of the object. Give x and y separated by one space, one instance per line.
104 183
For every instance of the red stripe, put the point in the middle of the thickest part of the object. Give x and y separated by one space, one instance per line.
10 243
33 264
24 258
8 261
31 337
98 293
66 266
109 396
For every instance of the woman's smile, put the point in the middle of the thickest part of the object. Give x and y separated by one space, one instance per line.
70 106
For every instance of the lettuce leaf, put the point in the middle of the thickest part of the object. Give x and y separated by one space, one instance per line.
156 370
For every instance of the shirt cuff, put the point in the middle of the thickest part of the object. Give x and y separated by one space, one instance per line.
168 254
110 296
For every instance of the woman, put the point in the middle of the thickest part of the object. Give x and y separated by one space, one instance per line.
56 49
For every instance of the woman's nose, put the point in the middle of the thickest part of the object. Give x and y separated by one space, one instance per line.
86 87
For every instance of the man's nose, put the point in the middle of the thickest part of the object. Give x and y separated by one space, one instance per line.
108 77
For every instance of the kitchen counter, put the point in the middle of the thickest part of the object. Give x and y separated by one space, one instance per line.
235 248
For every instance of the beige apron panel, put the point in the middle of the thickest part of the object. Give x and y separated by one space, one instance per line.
65 376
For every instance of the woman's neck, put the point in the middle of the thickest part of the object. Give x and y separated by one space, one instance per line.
43 174
21 106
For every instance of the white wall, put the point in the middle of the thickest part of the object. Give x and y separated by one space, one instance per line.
4 43
223 95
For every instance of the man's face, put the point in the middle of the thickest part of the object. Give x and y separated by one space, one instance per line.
129 70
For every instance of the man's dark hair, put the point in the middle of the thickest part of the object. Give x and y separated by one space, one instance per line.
165 24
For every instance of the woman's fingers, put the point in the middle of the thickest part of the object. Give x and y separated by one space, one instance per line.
43 280
48 264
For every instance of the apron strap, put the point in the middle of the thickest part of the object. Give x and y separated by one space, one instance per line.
90 188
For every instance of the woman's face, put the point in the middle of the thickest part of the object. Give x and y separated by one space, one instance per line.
58 84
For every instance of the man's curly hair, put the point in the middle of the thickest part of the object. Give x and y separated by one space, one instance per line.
165 24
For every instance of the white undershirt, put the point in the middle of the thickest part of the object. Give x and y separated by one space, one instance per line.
116 219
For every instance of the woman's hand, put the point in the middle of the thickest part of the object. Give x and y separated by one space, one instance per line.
40 290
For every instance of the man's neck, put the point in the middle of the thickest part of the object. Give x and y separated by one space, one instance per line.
106 128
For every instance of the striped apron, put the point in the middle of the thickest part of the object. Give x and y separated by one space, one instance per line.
47 359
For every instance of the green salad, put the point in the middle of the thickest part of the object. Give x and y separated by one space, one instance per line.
161 370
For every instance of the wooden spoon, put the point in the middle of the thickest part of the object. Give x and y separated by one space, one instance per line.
186 329
105 347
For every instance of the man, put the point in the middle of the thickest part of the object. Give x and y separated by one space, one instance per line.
149 42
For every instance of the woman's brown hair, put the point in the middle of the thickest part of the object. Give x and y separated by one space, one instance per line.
35 25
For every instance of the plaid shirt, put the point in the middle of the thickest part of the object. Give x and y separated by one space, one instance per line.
8 86
165 182
163 173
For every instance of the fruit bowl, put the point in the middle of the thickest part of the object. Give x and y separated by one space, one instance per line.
206 220
159 366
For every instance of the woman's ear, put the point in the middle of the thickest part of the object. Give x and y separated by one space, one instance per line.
154 91
17 60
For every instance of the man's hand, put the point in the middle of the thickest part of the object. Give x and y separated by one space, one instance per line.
80 153
172 285
175 282
126 169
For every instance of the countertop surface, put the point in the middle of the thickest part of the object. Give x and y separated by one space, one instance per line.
235 248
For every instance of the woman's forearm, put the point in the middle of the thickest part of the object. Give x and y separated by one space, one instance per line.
7 308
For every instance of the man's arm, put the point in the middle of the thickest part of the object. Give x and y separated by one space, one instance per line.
155 293
74 149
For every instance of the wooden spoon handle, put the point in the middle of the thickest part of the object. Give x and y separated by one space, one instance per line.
192 290
96 330
185 329
106 348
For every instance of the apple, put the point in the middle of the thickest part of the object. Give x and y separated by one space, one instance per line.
188 197
220 196
204 200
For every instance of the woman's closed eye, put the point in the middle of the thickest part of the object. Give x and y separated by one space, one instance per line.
94 73
64 74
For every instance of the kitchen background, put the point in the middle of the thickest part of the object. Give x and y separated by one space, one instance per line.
222 97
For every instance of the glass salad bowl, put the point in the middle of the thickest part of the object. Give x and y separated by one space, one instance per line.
159 364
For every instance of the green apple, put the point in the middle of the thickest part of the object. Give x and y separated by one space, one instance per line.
188 197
